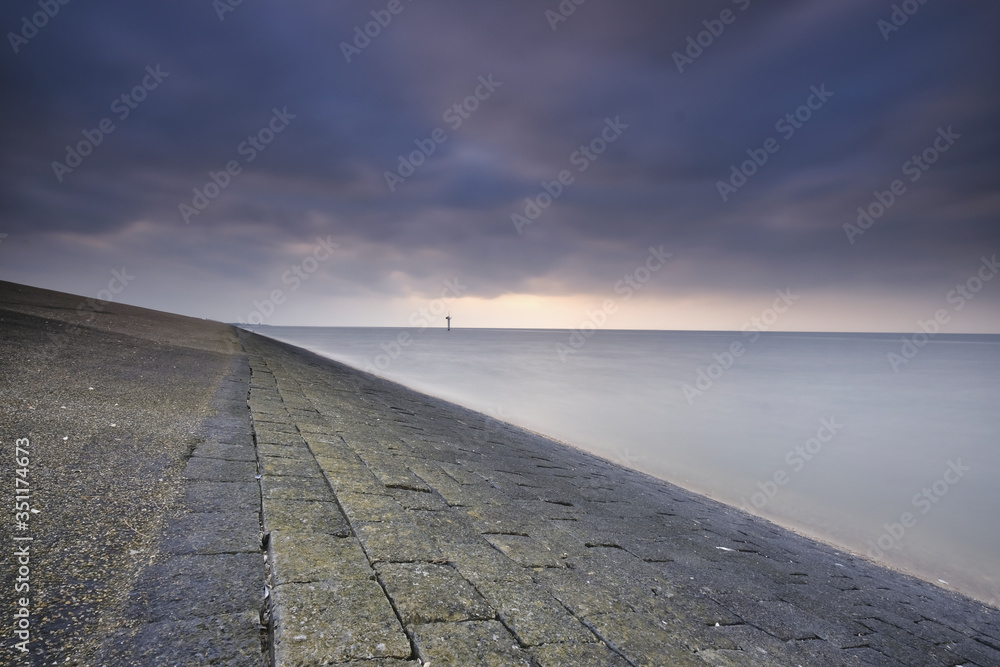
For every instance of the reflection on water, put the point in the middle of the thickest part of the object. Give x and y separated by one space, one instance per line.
814 431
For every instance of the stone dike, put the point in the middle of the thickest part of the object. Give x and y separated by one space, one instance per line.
207 496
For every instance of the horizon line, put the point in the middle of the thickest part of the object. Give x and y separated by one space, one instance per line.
714 331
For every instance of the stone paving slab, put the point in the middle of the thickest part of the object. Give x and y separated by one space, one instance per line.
396 543
297 558
328 622
212 533
300 451
533 615
216 450
470 542
295 488
220 470
312 516
486 643
208 640
196 585
368 507
428 593
207 496
280 466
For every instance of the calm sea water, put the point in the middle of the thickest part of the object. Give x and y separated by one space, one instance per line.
817 432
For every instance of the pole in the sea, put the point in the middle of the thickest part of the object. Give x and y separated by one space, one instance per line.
449 322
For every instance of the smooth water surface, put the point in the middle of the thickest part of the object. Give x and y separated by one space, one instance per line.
817 432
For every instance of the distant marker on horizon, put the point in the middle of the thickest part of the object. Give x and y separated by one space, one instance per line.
449 322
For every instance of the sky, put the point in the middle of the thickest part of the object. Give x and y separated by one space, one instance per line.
812 165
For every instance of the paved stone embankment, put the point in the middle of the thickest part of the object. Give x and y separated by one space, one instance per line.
403 529
342 519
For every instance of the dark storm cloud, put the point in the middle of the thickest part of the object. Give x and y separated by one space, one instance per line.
657 184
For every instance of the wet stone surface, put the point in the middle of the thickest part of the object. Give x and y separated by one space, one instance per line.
470 542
